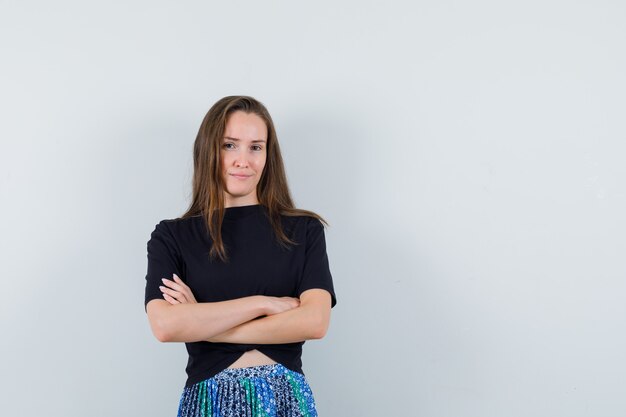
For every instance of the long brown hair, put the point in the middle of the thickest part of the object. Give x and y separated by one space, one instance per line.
208 184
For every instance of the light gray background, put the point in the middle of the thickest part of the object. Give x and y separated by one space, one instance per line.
469 157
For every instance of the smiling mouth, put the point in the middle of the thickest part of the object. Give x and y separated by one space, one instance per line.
242 177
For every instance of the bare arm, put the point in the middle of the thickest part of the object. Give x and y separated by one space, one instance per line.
180 318
193 322
308 321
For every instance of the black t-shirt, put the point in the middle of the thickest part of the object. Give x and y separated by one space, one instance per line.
257 265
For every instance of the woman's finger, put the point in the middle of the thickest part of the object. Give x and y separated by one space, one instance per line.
170 299
179 285
187 290
181 297
174 285
179 281
177 294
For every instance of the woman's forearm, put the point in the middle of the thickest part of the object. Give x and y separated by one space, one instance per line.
193 322
295 325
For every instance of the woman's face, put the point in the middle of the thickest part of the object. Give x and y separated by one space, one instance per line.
243 153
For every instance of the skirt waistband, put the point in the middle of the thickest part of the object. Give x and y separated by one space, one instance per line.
250 371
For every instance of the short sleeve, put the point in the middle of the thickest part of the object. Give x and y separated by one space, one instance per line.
163 260
316 272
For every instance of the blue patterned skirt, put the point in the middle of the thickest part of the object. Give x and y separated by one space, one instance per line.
256 391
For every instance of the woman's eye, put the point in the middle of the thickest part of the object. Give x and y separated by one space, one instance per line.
226 145
258 147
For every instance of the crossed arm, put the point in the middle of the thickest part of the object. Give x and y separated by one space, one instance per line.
179 318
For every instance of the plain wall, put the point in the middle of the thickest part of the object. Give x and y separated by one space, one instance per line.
469 157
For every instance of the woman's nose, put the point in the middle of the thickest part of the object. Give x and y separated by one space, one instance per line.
241 161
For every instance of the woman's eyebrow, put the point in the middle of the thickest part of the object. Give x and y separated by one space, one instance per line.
236 139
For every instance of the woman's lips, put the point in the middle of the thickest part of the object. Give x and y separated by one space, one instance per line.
241 177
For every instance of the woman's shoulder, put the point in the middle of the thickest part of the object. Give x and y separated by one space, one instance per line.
303 218
176 221
176 225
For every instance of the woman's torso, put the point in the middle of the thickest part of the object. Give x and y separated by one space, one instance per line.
252 358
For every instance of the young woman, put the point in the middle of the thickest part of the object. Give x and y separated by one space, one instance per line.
242 278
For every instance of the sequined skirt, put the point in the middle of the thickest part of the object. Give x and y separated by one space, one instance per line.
256 391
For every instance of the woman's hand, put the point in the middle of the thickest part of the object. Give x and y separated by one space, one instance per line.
177 292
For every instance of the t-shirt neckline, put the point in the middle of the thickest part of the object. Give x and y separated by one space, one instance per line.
239 212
